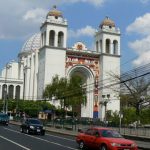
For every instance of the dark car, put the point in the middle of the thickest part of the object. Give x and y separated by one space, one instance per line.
32 126
4 119
104 139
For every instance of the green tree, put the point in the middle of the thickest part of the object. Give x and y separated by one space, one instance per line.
69 92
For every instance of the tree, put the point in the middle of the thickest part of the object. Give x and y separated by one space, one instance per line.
69 92
133 86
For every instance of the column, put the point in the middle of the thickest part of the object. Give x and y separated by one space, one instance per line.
56 40
111 47
14 92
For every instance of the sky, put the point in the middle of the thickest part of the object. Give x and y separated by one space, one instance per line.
20 19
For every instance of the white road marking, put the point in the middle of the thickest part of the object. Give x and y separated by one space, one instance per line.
68 147
14 143
60 137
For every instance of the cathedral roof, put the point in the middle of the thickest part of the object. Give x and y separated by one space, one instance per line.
54 12
32 44
107 22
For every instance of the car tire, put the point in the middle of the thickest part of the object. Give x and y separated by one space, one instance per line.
42 133
21 130
27 131
81 145
103 147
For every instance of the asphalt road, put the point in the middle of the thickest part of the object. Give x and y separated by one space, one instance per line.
12 139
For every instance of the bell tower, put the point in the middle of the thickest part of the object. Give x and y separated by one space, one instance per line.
107 43
52 54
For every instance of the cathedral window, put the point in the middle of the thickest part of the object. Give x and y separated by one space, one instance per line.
115 47
97 46
52 38
60 39
108 46
101 46
17 94
44 39
10 91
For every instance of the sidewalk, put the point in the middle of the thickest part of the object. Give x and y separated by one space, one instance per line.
143 144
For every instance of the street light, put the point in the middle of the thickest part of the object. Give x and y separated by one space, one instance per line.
5 105
104 102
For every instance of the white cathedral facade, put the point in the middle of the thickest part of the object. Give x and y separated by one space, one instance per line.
46 54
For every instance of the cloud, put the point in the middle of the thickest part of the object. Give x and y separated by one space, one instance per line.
35 15
87 31
144 58
141 47
144 1
20 18
93 2
141 25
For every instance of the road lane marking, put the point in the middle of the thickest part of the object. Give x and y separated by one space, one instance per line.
55 143
68 147
14 143
60 137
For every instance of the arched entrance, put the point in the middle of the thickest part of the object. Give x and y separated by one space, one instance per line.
88 79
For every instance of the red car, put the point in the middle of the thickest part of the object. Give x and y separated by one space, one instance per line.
103 139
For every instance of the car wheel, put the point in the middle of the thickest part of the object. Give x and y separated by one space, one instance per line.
21 130
27 131
103 147
81 145
42 133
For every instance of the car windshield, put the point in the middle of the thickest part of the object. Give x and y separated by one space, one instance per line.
111 134
34 121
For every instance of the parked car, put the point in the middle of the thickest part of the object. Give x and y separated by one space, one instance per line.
104 139
4 119
32 125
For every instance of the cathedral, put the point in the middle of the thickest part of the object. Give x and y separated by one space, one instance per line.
46 54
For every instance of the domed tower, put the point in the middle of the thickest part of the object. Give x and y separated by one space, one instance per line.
107 43
52 53
28 66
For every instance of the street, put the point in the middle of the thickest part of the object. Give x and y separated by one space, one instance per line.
11 138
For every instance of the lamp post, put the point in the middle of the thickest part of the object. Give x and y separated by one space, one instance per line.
104 102
5 106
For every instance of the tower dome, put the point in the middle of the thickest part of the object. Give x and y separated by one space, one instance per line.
54 12
32 44
107 22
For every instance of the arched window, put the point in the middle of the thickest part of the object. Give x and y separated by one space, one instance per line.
17 94
4 91
60 39
44 38
97 46
52 38
115 47
10 91
108 46
101 46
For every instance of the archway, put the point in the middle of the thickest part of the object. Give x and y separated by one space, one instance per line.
87 81
10 91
